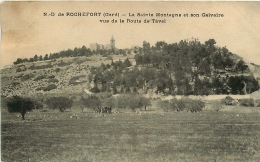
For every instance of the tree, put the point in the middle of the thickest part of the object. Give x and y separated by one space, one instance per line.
46 57
35 58
91 101
40 58
241 66
18 61
60 103
31 60
127 63
146 47
210 43
236 84
19 104
160 45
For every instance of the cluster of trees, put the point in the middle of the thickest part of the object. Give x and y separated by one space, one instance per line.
183 55
124 101
61 103
243 84
184 68
184 104
83 51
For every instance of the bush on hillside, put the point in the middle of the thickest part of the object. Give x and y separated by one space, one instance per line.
53 80
95 90
57 70
51 76
27 77
40 77
63 63
33 67
75 80
50 87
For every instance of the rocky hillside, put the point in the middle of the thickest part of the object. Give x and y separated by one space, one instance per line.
184 68
50 76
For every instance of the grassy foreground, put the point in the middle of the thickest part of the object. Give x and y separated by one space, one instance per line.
204 136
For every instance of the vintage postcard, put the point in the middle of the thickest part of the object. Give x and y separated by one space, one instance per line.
130 81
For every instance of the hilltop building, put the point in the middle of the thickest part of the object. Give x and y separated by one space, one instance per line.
97 46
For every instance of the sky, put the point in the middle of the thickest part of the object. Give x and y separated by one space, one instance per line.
26 32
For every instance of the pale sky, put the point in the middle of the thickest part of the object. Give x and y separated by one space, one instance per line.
26 32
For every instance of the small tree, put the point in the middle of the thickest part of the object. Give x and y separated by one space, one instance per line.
19 104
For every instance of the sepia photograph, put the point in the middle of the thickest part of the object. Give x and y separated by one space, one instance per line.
143 81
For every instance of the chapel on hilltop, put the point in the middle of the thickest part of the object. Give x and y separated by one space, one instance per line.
97 46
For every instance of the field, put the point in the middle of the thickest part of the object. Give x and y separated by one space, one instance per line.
145 136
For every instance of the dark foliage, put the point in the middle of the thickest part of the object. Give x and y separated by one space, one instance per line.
53 80
50 87
92 102
19 104
40 77
184 104
60 103
76 80
247 102
27 77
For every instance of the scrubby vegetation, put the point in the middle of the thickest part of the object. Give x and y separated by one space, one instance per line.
47 88
247 102
132 101
184 68
60 103
184 104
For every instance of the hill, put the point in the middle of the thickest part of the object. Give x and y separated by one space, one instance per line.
183 68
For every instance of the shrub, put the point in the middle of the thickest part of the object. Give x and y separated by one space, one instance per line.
257 102
247 102
27 77
62 63
132 101
91 101
19 104
95 90
190 105
75 80
165 105
51 76
178 105
182 104
40 77
57 70
50 87
53 80
108 102
60 103
39 88
104 95
33 67
21 69
15 83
